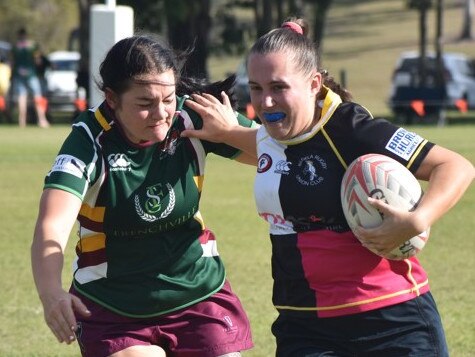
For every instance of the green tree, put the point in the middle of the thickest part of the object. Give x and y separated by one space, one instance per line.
51 35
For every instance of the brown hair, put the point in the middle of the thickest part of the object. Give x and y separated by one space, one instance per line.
305 53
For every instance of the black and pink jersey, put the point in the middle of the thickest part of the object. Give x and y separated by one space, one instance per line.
318 265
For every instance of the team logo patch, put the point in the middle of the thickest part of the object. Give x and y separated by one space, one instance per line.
118 162
264 163
282 167
404 143
69 164
310 167
169 145
153 208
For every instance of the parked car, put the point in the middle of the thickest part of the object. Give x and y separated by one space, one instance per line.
458 83
62 89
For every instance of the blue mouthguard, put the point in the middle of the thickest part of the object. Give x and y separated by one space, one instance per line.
273 117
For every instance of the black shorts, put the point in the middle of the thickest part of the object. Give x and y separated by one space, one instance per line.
412 328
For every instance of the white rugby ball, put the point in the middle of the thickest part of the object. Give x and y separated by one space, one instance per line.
381 177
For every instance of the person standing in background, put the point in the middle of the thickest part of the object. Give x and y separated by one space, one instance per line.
25 56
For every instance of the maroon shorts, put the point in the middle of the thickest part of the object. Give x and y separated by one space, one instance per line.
210 328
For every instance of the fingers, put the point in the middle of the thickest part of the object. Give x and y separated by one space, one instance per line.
61 319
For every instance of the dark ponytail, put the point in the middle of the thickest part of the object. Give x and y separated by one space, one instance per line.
336 87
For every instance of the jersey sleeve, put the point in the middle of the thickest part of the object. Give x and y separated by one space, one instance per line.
76 164
377 135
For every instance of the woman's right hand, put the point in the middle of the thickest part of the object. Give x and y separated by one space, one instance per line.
59 307
218 118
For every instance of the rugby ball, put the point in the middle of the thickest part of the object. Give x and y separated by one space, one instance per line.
381 177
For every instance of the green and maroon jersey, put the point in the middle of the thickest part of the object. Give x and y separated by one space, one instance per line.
143 248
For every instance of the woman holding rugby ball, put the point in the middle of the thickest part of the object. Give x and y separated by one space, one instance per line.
334 296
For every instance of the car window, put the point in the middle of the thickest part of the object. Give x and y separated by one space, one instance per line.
65 65
463 67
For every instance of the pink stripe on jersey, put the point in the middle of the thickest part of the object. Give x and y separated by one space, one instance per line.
356 280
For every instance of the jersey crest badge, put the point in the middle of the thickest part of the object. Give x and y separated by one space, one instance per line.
310 166
264 163
153 208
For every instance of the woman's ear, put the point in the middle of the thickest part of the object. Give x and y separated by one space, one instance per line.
111 98
316 83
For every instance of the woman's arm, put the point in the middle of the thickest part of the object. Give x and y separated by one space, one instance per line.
449 175
57 215
220 124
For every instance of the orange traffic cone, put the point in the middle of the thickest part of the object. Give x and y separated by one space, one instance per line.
418 107
250 113
81 104
461 105
42 102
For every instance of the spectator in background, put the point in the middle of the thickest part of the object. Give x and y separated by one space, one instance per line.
25 57
42 64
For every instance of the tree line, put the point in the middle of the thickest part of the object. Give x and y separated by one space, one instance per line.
207 26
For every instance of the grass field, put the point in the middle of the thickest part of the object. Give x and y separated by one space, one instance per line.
228 209
364 39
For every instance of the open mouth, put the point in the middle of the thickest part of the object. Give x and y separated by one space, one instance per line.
274 117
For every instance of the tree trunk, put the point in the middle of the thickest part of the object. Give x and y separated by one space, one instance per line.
469 10
423 46
189 30
321 9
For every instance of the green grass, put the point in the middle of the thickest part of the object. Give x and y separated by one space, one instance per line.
228 209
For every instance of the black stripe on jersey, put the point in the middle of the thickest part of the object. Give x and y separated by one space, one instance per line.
290 285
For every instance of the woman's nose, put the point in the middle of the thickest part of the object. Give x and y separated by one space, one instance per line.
160 112
267 101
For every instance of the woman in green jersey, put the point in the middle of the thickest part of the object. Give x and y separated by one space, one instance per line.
147 277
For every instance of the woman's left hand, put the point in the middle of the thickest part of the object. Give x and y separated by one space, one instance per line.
397 227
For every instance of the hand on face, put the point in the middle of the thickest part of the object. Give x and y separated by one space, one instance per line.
217 118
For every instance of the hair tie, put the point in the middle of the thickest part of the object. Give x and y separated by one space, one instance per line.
293 26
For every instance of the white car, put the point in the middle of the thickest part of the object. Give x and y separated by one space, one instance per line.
62 89
459 82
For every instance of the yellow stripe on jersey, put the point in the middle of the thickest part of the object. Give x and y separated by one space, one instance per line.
92 243
416 154
95 214
355 303
102 120
335 150
199 182
199 218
